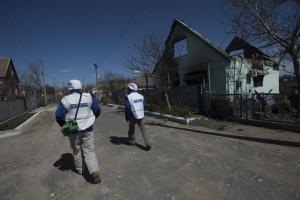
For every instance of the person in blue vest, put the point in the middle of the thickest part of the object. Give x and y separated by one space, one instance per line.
82 143
134 113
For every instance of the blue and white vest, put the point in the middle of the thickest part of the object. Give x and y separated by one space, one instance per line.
136 102
85 115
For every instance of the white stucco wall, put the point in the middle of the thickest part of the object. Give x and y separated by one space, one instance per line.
237 72
271 81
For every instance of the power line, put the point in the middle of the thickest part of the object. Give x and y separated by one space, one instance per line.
126 29
143 18
7 8
14 43
21 22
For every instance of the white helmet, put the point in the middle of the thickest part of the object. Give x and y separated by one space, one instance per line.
74 85
132 86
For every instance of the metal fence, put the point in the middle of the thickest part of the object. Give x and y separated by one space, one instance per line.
276 107
264 107
268 107
225 105
185 96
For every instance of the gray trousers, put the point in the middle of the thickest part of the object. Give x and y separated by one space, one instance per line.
131 131
83 148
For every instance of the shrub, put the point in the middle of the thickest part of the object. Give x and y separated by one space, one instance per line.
181 111
106 101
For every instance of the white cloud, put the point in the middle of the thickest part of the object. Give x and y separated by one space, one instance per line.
65 70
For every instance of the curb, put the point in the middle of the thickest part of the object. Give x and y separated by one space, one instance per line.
17 130
10 133
28 120
182 120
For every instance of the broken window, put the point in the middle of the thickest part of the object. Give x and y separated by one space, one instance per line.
238 85
258 80
180 48
258 64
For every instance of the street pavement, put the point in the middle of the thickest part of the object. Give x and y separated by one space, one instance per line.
184 163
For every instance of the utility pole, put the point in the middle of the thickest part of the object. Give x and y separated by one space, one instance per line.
95 66
43 81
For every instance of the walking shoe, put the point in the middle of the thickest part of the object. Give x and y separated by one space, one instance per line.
96 177
131 143
78 171
148 147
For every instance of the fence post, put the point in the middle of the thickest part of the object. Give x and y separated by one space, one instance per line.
241 106
246 109
252 105
25 103
199 99
208 104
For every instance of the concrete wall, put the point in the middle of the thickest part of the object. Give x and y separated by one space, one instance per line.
10 109
271 81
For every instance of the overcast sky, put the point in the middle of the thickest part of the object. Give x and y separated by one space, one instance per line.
70 35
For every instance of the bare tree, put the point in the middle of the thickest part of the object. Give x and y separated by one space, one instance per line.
166 72
33 79
152 56
274 22
113 86
144 55
114 81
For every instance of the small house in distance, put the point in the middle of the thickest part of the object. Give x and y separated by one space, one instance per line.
9 81
198 61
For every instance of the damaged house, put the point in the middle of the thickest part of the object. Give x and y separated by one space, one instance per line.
197 61
250 70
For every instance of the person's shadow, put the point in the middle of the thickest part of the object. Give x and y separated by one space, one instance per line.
124 141
66 163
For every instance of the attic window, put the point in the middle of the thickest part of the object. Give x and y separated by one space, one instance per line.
239 52
180 48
